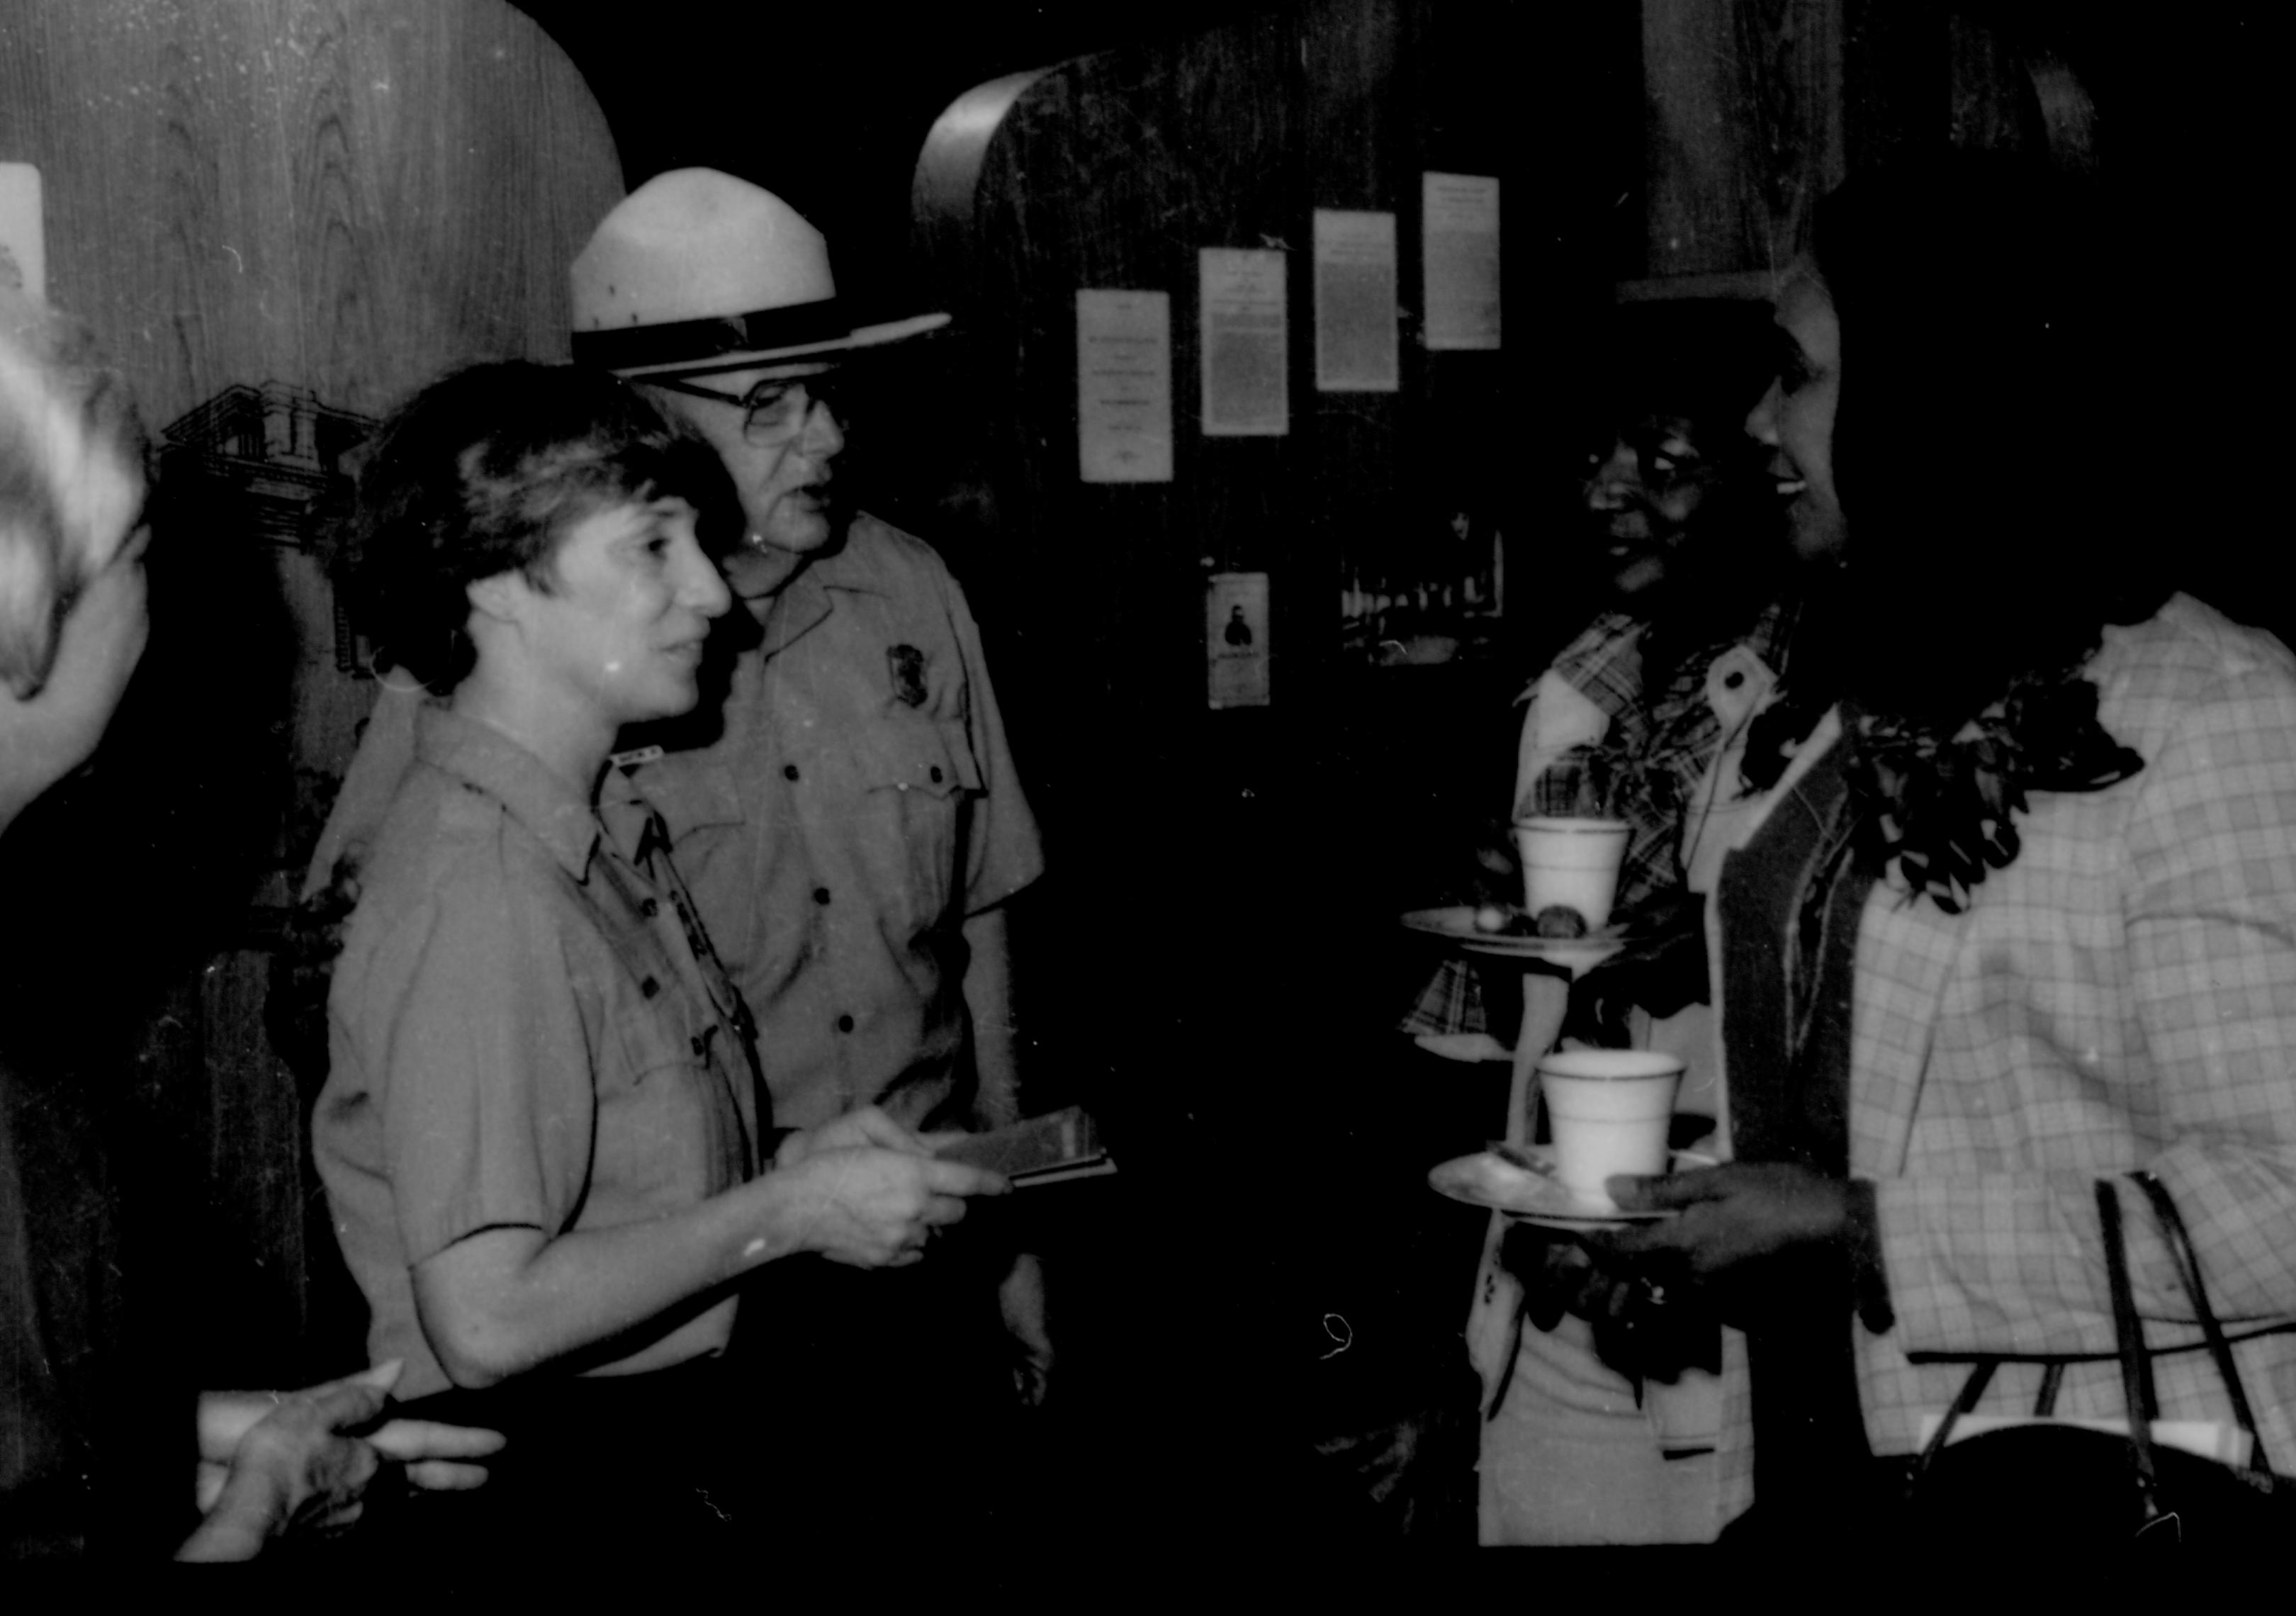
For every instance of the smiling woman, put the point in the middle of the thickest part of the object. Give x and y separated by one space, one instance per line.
2020 919
610 634
542 1134
1796 416
481 474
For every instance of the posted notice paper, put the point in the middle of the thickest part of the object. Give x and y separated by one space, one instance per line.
1241 309
1355 302
1460 236
1236 638
1124 386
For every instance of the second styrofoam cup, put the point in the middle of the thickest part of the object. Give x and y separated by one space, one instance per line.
1573 862
1607 1111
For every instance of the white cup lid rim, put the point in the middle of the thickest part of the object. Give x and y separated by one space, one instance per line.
1586 1064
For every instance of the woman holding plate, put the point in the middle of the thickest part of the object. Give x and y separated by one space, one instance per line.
2021 913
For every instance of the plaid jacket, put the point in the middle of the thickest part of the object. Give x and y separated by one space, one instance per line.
2122 996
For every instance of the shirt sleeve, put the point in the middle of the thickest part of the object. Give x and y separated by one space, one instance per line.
487 1110
386 748
2212 949
1004 853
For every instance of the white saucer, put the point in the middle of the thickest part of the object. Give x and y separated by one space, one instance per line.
1535 1196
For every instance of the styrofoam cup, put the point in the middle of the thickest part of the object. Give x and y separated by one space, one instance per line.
1571 862
1607 1111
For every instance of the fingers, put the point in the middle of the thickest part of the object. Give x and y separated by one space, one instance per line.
342 1405
416 1440
337 1518
383 1377
443 1476
956 1178
339 1404
880 1130
879 1207
1642 1240
1670 1194
906 1241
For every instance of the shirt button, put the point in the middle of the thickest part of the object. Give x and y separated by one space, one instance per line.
821 895
648 987
936 774
844 1023
789 771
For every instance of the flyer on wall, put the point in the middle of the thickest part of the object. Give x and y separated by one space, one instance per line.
1236 638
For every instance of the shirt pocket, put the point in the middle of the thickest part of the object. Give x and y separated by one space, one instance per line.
714 844
663 1139
919 779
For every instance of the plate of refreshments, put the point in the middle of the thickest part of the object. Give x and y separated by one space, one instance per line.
1510 931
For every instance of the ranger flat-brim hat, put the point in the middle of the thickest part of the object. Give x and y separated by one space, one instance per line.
696 271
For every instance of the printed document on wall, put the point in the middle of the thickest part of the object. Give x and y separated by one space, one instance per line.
1124 386
1355 302
1246 393
1236 638
1460 235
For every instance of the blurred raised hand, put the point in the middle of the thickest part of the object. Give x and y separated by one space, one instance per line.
274 1462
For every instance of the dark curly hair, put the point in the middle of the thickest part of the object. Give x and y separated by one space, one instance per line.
480 473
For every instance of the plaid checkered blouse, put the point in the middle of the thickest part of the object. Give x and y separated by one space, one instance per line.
2122 996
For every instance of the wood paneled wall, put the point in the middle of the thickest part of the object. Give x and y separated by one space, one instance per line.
345 196
342 195
1111 172
1745 130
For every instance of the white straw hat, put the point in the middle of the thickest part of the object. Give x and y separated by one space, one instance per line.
696 271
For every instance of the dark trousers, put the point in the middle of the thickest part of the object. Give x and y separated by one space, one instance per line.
885 1398
856 1409
615 1472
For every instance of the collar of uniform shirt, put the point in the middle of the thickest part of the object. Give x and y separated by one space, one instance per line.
802 602
551 810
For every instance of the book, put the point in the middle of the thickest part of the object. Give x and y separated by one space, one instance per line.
1052 1149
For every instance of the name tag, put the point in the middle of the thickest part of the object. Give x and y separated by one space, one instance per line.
636 755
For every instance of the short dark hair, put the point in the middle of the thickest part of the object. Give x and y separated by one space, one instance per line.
481 472
1705 360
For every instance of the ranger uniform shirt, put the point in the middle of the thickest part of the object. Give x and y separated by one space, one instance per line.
522 1035
860 808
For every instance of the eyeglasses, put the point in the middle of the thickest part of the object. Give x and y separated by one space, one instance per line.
776 409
